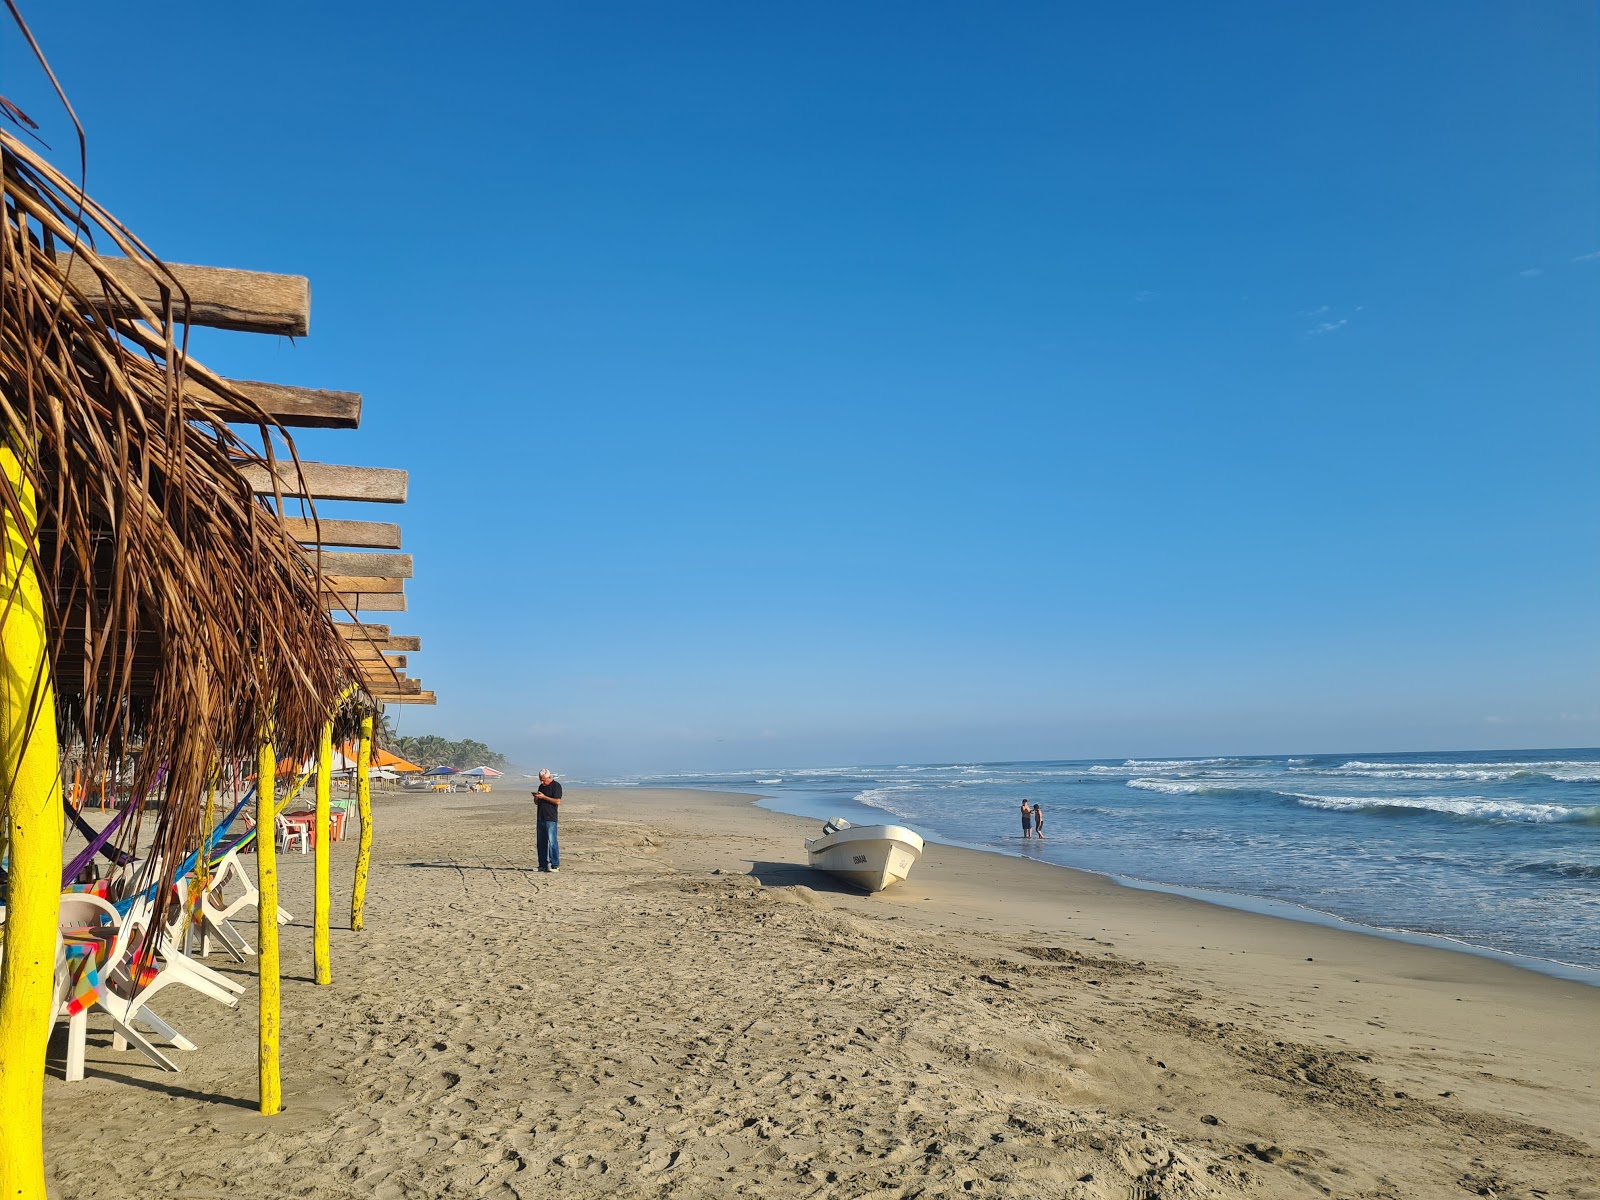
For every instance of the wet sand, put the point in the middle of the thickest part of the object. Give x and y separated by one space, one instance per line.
685 1009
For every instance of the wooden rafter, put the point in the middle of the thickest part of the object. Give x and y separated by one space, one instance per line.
329 481
377 636
370 535
221 298
363 584
376 566
416 698
364 602
297 407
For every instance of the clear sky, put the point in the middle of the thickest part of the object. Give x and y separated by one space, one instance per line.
921 381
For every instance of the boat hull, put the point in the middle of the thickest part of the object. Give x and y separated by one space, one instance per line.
872 857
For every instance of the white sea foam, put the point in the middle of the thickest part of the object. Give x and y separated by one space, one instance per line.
1171 787
1139 766
1485 772
883 798
1481 807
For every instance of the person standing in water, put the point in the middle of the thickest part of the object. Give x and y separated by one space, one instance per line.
1027 819
1038 821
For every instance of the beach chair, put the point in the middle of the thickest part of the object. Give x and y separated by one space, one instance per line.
338 813
84 917
290 832
216 911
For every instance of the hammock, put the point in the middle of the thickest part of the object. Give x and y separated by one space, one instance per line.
97 840
126 904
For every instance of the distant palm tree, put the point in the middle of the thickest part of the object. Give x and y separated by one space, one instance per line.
384 733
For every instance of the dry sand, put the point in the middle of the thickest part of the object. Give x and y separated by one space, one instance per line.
683 1010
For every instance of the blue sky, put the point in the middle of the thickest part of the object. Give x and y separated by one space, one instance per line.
914 382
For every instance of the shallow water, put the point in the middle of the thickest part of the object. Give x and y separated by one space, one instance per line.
1496 850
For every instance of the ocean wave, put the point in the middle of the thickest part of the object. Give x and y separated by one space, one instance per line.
1140 765
1566 771
1172 787
879 798
1561 870
1478 807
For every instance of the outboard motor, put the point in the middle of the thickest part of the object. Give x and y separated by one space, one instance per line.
835 825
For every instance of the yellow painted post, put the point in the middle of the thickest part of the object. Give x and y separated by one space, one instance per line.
30 770
271 1087
319 938
200 877
358 898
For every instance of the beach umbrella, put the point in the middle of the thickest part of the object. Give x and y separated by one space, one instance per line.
391 760
484 772
441 770
380 758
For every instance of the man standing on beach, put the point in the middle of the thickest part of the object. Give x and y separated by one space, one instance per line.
1027 819
548 798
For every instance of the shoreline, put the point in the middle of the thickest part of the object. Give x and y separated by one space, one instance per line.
1263 906
688 1009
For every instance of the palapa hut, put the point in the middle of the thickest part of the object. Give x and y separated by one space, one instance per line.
148 593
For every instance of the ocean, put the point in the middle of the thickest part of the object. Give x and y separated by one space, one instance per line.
1493 852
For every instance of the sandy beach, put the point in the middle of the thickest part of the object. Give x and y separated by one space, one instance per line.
687 1010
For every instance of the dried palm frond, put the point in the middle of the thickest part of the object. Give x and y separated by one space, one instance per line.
183 621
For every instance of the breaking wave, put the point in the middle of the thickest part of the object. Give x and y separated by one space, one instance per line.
1476 807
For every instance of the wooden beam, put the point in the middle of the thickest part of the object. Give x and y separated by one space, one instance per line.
365 652
374 535
298 407
380 648
219 297
376 636
347 562
329 481
381 663
364 584
418 698
387 685
361 631
362 602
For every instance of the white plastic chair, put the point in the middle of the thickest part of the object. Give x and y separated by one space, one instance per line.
82 911
216 911
290 832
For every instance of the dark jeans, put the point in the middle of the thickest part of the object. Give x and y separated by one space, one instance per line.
549 848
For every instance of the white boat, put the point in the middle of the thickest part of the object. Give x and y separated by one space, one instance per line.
872 857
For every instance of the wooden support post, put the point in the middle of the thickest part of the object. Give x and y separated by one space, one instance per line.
30 769
319 937
200 877
271 1086
358 898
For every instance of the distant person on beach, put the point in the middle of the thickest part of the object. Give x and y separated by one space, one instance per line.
548 798
1027 819
1038 821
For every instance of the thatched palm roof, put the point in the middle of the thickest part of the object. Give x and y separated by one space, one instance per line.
179 610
